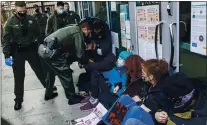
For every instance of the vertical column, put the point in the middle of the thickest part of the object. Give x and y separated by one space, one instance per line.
133 27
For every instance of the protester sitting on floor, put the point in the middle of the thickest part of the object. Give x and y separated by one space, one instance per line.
135 85
112 82
154 71
99 45
169 99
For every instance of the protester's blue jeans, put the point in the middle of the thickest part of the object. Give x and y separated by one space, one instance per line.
133 121
140 114
134 112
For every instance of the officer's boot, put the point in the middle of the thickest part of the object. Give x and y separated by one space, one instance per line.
17 105
54 94
75 99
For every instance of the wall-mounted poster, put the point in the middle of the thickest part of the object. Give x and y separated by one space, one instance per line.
198 28
113 6
125 27
147 19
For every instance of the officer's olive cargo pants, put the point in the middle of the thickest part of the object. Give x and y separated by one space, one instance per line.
59 66
19 59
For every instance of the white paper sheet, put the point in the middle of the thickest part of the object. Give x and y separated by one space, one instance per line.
113 6
115 39
93 118
147 19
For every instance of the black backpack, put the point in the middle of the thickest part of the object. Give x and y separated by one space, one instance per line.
178 85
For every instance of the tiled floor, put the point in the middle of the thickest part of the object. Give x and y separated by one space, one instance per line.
35 110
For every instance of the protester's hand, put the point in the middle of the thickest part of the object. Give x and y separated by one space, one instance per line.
116 89
161 117
136 98
9 61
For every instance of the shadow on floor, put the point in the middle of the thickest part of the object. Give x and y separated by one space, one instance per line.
4 122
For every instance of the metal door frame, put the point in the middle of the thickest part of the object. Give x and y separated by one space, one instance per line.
173 21
166 20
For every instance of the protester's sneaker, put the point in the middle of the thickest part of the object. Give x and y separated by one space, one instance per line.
88 106
85 100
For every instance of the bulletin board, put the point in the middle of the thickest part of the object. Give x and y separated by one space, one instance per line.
125 27
148 16
198 28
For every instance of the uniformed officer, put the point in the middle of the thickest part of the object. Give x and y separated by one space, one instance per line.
42 21
74 18
19 36
60 49
58 19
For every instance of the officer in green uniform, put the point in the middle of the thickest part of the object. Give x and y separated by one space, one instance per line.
19 45
42 21
58 19
60 49
74 18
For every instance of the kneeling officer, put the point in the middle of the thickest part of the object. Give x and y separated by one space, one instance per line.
60 49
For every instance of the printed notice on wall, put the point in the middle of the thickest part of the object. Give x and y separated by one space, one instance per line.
198 28
113 6
147 19
115 39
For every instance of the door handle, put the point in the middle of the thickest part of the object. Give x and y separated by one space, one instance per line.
172 46
172 43
156 33
184 25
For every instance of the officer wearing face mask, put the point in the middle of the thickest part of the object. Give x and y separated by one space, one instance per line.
74 18
58 19
42 21
19 44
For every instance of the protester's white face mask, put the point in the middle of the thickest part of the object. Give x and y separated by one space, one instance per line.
120 62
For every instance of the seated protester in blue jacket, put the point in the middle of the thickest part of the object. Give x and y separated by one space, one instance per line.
134 83
113 81
116 78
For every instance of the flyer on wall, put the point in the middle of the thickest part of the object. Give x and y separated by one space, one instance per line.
147 19
198 28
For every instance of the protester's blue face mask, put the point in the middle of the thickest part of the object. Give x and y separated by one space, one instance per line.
61 11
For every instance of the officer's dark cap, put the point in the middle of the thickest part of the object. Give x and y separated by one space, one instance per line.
20 4
60 3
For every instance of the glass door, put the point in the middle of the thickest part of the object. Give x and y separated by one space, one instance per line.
193 53
184 38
